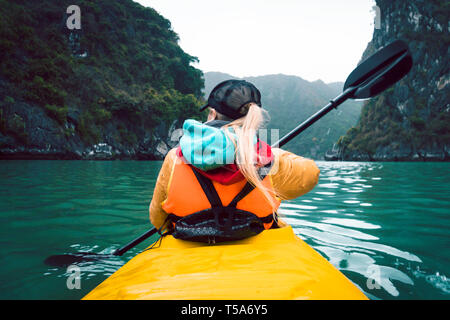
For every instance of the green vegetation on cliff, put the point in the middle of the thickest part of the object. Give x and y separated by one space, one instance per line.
411 120
118 77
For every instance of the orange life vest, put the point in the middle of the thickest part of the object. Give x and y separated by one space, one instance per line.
186 195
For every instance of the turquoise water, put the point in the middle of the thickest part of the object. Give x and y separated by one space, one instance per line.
386 226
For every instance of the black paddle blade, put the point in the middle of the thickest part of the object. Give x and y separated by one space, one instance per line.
380 71
65 260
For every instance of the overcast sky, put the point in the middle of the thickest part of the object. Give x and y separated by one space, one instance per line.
312 39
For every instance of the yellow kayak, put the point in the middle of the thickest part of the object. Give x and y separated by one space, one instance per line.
274 265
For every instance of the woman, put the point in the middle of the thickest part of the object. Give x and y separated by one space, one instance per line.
223 183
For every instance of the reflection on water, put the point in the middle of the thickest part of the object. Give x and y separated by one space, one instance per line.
384 225
352 218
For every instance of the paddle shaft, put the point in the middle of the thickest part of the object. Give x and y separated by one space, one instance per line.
288 137
135 242
315 117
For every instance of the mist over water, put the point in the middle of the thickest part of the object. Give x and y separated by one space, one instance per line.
384 225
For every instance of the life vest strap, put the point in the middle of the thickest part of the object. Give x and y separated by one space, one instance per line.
216 204
248 187
211 193
267 219
202 226
219 222
208 189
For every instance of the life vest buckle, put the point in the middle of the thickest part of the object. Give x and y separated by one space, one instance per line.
211 240
227 220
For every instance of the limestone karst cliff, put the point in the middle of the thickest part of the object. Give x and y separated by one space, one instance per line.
411 120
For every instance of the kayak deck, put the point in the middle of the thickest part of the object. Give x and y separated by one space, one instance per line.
273 265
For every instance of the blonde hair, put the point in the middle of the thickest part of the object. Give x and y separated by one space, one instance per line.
246 156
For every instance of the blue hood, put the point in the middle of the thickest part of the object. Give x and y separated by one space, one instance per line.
206 146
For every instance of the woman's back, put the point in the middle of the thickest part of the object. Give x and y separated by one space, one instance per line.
222 171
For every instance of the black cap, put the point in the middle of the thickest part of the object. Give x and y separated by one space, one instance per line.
229 96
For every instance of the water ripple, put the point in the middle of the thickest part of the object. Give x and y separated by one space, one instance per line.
384 225
369 216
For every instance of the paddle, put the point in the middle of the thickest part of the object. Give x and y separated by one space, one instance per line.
64 260
135 242
374 75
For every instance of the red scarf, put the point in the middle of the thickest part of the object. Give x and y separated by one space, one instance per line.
229 173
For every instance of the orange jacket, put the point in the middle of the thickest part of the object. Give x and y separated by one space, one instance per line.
291 176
